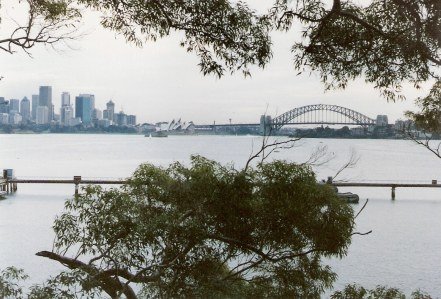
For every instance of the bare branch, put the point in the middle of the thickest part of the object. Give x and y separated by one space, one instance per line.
362 208
267 148
319 156
353 159
41 28
361 234
425 142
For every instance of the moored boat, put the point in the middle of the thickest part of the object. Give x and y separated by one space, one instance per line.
349 197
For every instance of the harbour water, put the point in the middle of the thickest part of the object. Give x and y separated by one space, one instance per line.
402 251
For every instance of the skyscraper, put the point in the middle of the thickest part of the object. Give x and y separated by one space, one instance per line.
14 105
97 114
35 100
110 110
92 99
25 109
65 99
66 114
42 115
45 99
83 107
131 120
66 111
121 119
4 105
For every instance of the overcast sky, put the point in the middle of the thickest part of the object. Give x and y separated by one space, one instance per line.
161 81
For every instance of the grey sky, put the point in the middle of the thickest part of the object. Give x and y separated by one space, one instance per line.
161 81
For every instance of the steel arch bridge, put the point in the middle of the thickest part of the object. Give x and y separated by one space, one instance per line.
321 114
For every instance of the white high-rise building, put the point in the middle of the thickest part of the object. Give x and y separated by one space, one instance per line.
110 111
65 99
42 115
66 114
25 109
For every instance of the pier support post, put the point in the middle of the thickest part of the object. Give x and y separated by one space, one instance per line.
77 180
393 193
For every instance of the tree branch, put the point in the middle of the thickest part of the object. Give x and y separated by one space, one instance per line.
111 285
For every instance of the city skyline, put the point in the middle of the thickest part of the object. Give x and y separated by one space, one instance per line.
58 104
83 111
162 81
57 101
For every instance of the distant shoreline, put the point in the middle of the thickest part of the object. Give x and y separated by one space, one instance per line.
204 134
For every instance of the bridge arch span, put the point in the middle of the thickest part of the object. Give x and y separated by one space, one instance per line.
352 117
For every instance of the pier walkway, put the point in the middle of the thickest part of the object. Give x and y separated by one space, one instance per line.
9 185
392 185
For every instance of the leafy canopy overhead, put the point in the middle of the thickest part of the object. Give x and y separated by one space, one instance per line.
429 117
385 42
204 231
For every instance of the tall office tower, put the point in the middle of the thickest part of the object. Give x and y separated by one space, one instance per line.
4 105
110 110
65 99
92 99
83 108
25 109
66 114
97 114
42 115
121 119
35 100
14 105
131 120
45 99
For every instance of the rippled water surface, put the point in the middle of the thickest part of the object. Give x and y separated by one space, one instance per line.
402 251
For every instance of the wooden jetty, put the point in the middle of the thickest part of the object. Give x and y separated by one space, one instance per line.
393 186
8 184
77 181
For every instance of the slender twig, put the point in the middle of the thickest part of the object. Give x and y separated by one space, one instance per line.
362 208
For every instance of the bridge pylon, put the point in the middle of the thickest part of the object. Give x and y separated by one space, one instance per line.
265 125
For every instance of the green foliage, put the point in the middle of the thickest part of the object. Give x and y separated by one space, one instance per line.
386 42
9 283
354 291
429 117
54 9
225 36
206 230
66 285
